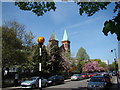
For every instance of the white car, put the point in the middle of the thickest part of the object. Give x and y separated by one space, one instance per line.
76 77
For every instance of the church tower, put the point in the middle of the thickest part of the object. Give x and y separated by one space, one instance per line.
53 39
66 42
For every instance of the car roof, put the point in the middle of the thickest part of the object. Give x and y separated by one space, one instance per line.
35 77
98 76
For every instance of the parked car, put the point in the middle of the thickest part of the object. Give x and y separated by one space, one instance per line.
76 77
107 78
97 82
44 82
95 73
84 75
90 75
114 73
53 80
33 82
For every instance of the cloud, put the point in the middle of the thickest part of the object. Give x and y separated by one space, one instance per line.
83 23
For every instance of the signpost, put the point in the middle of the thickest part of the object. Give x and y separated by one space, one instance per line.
40 42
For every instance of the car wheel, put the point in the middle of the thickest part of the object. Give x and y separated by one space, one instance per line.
33 86
46 84
54 83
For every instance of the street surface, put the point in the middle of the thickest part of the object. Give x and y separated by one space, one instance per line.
74 85
71 84
82 84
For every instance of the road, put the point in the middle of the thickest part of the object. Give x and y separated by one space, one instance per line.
74 85
80 85
70 85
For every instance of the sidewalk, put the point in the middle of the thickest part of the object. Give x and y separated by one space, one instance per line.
114 83
11 88
67 80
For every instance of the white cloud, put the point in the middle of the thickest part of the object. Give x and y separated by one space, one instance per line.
83 23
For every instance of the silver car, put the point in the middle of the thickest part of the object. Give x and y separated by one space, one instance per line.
97 82
33 82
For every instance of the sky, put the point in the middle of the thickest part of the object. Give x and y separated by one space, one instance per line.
83 31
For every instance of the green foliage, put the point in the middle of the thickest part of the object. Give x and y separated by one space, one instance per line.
113 26
81 65
55 62
15 48
82 55
91 8
101 64
11 48
54 49
38 8
43 59
113 66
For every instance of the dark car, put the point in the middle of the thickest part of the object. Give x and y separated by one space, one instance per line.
97 82
114 74
53 80
107 78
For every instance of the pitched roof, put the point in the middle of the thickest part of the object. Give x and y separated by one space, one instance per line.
53 37
65 36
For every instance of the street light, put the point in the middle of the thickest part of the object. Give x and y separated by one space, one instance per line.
40 42
115 60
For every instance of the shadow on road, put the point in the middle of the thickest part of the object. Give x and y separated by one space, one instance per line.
112 87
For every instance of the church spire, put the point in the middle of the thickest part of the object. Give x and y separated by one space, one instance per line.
66 42
65 36
53 37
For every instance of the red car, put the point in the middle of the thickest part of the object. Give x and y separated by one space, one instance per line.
90 75
84 75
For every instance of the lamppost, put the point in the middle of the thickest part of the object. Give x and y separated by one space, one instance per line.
115 60
40 42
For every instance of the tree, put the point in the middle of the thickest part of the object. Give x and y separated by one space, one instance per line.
102 64
43 59
93 66
55 62
82 55
14 49
11 48
89 8
112 66
39 8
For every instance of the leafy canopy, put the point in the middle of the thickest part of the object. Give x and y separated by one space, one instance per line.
16 48
82 54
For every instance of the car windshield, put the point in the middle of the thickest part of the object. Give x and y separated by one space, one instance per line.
97 79
33 78
51 77
76 75
83 74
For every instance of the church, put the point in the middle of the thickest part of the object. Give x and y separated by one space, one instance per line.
64 49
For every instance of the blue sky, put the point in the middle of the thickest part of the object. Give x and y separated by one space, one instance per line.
83 31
